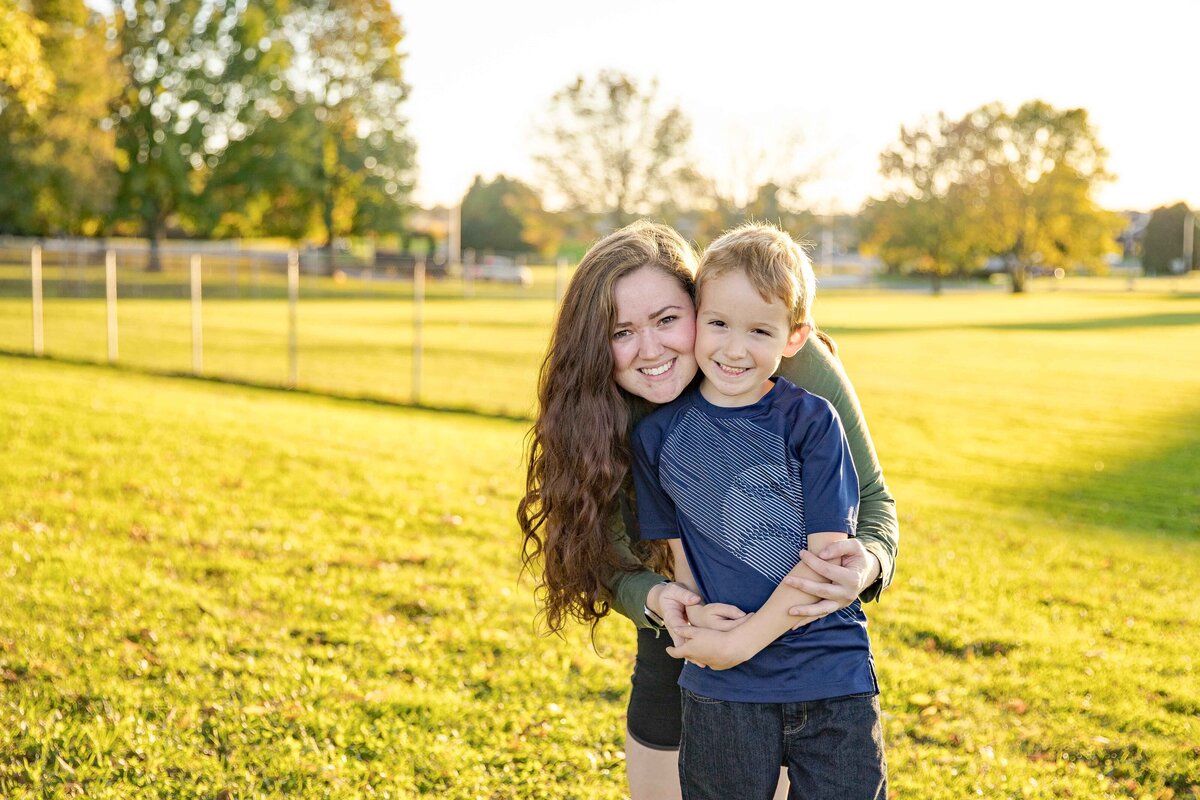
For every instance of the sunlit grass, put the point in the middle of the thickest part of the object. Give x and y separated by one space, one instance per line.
209 589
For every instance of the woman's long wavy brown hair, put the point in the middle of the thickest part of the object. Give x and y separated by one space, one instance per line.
579 444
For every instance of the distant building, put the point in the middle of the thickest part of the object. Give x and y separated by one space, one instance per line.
1134 232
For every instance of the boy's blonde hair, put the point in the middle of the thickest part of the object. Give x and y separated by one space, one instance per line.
773 262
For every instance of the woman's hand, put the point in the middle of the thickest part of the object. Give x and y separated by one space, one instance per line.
671 601
848 567
717 616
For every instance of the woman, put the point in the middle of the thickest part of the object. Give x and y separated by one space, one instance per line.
622 342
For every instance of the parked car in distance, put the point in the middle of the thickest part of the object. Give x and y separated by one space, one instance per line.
500 271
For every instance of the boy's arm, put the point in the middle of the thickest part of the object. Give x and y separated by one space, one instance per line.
725 649
655 520
683 570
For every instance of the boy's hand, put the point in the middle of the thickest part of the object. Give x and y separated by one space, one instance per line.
718 616
706 647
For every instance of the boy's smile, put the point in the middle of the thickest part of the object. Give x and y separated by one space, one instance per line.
740 338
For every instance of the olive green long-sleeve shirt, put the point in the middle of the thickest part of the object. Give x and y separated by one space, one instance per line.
817 370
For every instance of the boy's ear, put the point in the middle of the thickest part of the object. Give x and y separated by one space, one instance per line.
796 340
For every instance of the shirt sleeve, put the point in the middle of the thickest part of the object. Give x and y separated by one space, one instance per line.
656 510
826 471
628 587
819 371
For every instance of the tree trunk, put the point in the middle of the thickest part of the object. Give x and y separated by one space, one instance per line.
935 286
1018 273
155 232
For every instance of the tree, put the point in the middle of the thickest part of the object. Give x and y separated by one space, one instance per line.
59 157
347 86
610 149
198 75
1046 164
500 215
933 220
1163 244
25 80
1015 185
264 183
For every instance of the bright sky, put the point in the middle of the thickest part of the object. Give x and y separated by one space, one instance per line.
840 77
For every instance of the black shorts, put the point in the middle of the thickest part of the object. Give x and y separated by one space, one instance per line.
655 704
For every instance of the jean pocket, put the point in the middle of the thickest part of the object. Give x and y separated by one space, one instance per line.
701 699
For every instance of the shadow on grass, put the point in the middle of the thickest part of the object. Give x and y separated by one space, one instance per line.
1175 319
365 399
1166 320
1154 492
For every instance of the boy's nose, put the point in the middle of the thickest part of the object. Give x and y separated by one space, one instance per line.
735 347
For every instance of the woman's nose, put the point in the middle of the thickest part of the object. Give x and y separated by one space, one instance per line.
649 346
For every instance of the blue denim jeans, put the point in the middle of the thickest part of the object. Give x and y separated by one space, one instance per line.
833 749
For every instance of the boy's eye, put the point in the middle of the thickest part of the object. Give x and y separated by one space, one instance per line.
717 323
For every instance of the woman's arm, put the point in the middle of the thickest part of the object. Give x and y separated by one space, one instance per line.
725 649
819 371
632 591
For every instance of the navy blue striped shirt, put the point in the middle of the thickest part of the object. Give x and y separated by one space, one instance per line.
743 487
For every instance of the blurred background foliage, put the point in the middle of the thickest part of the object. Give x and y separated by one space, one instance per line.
285 119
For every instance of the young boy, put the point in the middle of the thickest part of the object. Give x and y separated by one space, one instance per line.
741 474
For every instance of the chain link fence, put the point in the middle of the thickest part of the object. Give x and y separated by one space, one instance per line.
389 326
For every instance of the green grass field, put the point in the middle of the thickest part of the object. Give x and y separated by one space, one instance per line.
216 591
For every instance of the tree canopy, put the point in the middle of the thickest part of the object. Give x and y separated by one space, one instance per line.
496 215
1015 185
1163 245
610 148
208 117
59 155
25 78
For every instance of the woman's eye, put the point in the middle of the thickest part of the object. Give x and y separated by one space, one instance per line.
667 320
620 334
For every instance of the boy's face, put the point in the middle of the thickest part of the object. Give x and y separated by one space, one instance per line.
740 339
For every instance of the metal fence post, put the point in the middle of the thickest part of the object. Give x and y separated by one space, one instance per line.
293 278
468 273
418 324
197 319
35 264
110 294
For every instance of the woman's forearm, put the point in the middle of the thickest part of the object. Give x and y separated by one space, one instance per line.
817 370
879 533
629 588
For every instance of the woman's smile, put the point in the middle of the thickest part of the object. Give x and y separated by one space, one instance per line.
655 372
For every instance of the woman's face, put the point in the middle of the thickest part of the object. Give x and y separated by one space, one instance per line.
653 337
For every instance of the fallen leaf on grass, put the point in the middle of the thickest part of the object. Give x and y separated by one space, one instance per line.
1016 705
